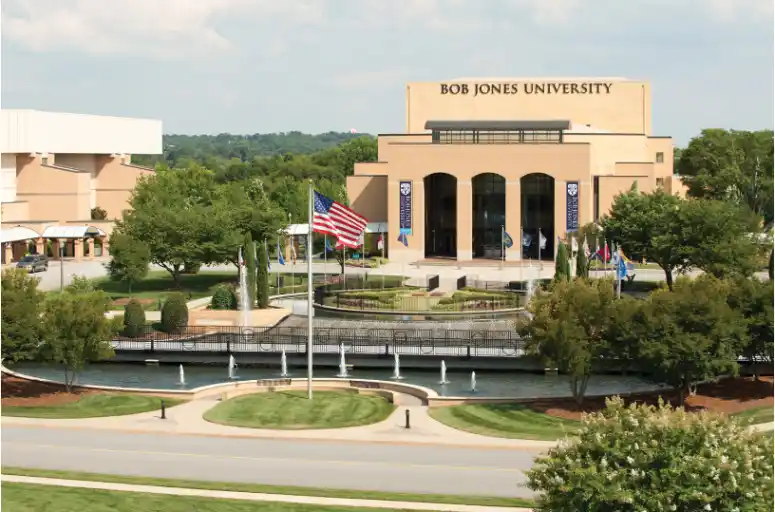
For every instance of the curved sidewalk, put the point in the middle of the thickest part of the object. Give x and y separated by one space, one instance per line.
187 419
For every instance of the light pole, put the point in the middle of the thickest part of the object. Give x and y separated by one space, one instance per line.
62 264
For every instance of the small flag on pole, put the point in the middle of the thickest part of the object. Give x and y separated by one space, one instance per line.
381 242
268 263
507 240
402 238
335 219
541 240
280 258
328 246
527 240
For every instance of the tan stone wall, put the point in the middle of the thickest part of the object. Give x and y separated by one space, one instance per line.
114 183
52 193
18 211
367 196
611 186
616 105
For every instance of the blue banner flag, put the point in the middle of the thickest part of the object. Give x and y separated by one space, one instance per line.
268 263
328 246
402 238
507 241
280 258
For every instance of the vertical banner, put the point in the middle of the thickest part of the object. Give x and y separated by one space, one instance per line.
571 206
405 208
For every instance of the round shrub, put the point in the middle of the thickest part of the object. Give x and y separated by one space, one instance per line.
134 319
224 297
646 458
174 314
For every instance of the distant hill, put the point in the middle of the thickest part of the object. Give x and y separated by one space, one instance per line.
227 146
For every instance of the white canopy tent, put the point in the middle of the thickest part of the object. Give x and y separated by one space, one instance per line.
78 231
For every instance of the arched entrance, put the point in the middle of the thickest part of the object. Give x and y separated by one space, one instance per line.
538 216
440 215
488 215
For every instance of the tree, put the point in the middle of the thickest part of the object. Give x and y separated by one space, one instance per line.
174 314
129 259
753 299
262 294
98 213
249 251
568 328
771 268
362 149
731 165
582 264
76 331
178 216
134 319
656 458
80 284
716 237
691 335
20 311
562 264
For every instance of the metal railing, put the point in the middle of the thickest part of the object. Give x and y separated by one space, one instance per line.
383 301
377 341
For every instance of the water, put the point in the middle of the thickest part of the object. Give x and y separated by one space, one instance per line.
473 382
232 368
443 374
283 365
182 375
511 384
244 297
396 367
342 363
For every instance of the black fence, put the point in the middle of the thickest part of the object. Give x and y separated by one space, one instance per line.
421 304
461 282
377 341
433 282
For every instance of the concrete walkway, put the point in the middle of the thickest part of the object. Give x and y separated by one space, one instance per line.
249 496
187 419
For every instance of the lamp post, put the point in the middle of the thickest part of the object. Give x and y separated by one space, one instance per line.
62 264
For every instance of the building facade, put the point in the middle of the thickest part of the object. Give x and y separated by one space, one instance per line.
57 168
535 158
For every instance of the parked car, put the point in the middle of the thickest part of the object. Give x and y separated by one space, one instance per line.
33 263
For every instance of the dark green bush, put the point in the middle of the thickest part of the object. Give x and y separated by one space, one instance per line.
191 268
224 297
174 314
134 319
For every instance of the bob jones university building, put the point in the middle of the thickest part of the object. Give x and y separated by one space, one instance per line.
483 156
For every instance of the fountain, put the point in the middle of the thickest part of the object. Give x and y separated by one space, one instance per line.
396 367
443 373
342 364
283 365
182 380
244 296
232 368
473 382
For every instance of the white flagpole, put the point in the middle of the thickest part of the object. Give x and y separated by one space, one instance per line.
382 236
309 296
325 258
344 268
605 258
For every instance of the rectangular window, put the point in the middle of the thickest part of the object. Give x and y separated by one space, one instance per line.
660 182
660 158
596 196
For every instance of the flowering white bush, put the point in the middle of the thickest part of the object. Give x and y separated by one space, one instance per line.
652 459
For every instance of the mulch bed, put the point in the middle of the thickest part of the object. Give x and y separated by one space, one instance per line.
727 396
29 393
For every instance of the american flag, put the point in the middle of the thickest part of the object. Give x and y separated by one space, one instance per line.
337 220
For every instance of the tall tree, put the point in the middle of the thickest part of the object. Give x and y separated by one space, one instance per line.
362 149
645 226
731 165
582 264
129 259
568 328
753 298
561 264
691 334
249 253
77 331
21 306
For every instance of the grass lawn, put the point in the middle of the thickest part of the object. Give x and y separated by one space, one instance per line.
504 420
763 414
45 498
493 501
158 285
290 410
91 406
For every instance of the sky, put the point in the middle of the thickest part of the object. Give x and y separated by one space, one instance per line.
258 66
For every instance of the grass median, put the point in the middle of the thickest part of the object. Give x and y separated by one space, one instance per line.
90 406
291 410
494 501
756 415
504 420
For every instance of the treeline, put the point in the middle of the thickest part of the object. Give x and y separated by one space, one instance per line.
213 151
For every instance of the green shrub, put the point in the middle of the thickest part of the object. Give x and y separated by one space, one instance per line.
646 458
262 281
224 297
191 268
134 319
174 314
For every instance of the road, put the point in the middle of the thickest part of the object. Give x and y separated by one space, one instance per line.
378 467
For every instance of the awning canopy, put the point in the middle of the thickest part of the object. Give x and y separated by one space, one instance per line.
82 231
17 234
303 229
